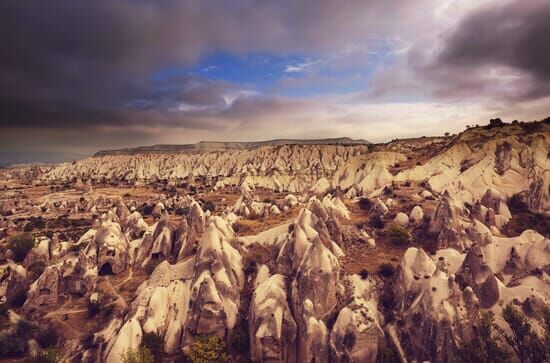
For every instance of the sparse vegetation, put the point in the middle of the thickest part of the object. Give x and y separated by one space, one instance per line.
208 205
485 346
207 349
138 355
387 355
46 356
20 245
528 346
386 270
18 298
364 203
48 337
154 343
181 211
398 236
93 308
13 342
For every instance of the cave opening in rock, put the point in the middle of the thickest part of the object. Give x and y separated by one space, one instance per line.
106 269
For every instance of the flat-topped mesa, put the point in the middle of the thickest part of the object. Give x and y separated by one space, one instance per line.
205 146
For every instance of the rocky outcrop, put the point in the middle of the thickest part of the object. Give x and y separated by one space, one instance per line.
271 324
218 280
314 298
357 333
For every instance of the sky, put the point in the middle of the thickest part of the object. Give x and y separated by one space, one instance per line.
77 76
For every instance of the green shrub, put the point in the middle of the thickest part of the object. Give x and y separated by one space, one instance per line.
527 345
154 343
18 298
48 337
138 355
12 344
20 245
377 222
46 356
93 308
14 341
387 355
398 236
485 346
517 203
364 203
207 349
4 317
386 270
241 340
208 205
181 211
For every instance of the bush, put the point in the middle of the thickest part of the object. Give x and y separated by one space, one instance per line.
93 308
20 245
208 205
18 298
364 204
12 345
139 355
146 209
387 355
386 270
207 349
181 211
398 236
154 343
48 337
14 342
241 340
377 222
4 318
485 346
517 203
46 356
527 345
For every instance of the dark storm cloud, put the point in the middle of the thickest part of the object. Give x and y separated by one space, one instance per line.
514 35
73 62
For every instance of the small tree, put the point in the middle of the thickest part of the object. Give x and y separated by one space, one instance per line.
398 236
154 343
485 346
207 349
527 345
138 355
46 356
20 245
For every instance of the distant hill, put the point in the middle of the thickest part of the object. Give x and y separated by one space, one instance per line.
228 145
33 157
